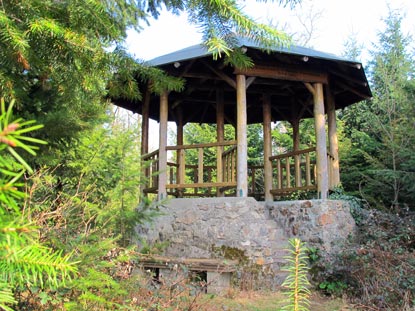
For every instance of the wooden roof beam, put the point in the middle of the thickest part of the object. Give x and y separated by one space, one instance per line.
348 78
187 68
285 73
279 112
350 89
221 75
249 81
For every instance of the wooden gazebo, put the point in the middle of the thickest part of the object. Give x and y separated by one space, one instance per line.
284 84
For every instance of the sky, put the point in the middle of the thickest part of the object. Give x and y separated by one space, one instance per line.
337 20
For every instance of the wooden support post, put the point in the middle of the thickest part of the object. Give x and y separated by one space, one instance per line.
242 144
279 172
180 174
145 122
266 111
333 141
162 193
200 166
288 172
145 171
321 149
296 147
220 136
307 169
295 123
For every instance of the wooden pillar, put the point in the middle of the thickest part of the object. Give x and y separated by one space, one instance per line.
180 174
295 123
242 143
333 141
145 121
220 137
180 126
162 192
321 149
266 111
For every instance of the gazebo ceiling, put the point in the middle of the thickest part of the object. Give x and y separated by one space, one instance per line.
279 75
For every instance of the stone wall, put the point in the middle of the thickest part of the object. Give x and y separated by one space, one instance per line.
255 231
324 224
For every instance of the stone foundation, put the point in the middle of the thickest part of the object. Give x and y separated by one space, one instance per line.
255 233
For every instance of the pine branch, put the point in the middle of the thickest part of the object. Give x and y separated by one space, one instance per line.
33 264
6 297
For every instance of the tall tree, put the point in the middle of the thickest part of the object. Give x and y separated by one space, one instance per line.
355 143
384 126
57 58
393 122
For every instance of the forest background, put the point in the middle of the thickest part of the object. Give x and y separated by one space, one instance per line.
75 202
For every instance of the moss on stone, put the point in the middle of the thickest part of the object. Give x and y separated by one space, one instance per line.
231 253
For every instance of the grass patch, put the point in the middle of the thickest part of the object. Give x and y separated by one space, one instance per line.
270 301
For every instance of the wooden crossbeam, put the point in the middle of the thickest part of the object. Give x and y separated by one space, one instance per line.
284 73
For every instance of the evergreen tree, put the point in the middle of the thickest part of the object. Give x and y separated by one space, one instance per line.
382 129
356 144
392 123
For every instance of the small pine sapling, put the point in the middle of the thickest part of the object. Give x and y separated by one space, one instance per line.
296 281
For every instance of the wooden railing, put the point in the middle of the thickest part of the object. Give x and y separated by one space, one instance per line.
203 179
150 164
229 166
256 181
293 171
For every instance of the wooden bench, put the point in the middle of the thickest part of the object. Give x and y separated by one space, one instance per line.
215 273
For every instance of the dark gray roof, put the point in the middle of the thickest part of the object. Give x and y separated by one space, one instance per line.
279 74
200 50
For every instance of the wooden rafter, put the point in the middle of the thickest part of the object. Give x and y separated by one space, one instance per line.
187 68
249 81
221 75
350 89
348 78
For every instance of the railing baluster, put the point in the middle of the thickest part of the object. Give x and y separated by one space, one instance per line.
297 170
200 166
235 168
153 172
182 166
308 169
195 176
288 172
279 174
253 173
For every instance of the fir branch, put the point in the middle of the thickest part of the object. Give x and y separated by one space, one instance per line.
33 264
6 297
